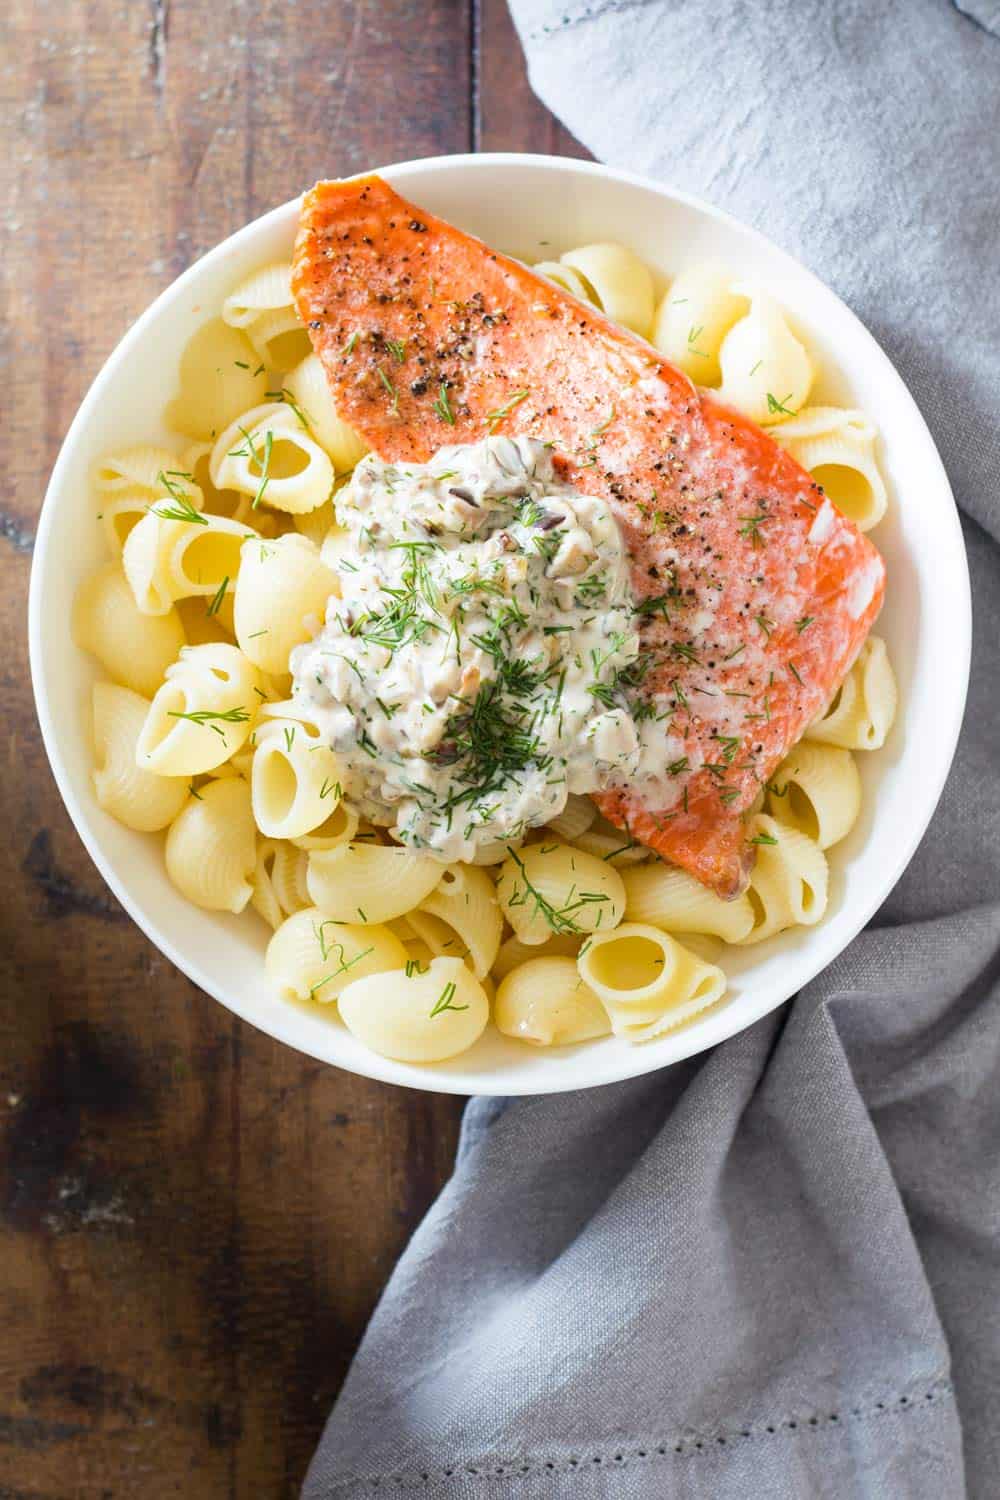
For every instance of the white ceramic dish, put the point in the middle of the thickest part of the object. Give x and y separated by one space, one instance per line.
532 206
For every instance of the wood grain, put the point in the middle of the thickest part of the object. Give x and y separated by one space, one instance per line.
195 1223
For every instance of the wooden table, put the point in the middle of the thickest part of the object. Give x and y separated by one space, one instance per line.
195 1221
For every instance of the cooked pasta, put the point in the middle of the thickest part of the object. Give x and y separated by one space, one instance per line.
564 276
837 446
339 827
789 881
167 560
861 711
316 525
552 887
663 895
647 982
146 469
280 599
268 453
206 622
264 290
464 903
210 851
279 880
311 957
133 649
202 714
229 503
608 843
766 372
263 898
621 282
545 1001
575 818
134 797
513 952
224 559
817 790
358 882
295 780
220 376
694 315
417 1016
309 388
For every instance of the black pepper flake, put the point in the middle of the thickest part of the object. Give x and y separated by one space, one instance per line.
418 227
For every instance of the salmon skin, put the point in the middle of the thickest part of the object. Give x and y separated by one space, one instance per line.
754 592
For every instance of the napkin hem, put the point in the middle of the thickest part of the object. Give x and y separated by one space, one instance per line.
616 1455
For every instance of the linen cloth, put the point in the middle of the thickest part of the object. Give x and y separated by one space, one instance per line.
772 1271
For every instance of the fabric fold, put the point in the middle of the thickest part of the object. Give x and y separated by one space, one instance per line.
772 1271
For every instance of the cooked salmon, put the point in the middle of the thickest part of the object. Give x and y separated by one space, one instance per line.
754 592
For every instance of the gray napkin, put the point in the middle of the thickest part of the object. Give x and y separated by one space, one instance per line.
773 1271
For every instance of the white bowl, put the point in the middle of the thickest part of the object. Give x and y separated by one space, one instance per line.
533 206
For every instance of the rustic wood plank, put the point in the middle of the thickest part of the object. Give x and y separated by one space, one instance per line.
508 115
195 1221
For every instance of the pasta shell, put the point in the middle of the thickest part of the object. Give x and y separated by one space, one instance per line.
766 372
310 389
837 447
421 1017
202 714
647 982
568 279
220 376
513 952
370 882
136 798
621 281
464 902
135 649
789 882
555 888
665 896
268 453
295 779
281 597
545 1002
862 710
262 291
575 818
311 957
817 790
694 316
211 850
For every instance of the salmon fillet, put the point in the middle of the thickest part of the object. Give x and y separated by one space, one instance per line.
755 593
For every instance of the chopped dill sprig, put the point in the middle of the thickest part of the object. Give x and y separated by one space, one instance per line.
442 405
183 509
443 1001
393 393
750 527
494 418
215 603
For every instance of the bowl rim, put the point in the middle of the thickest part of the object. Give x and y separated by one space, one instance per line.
728 1021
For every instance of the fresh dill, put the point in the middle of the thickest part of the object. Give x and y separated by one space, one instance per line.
750 527
390 387
444 1000
442 405
183 508
494 418
215 603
